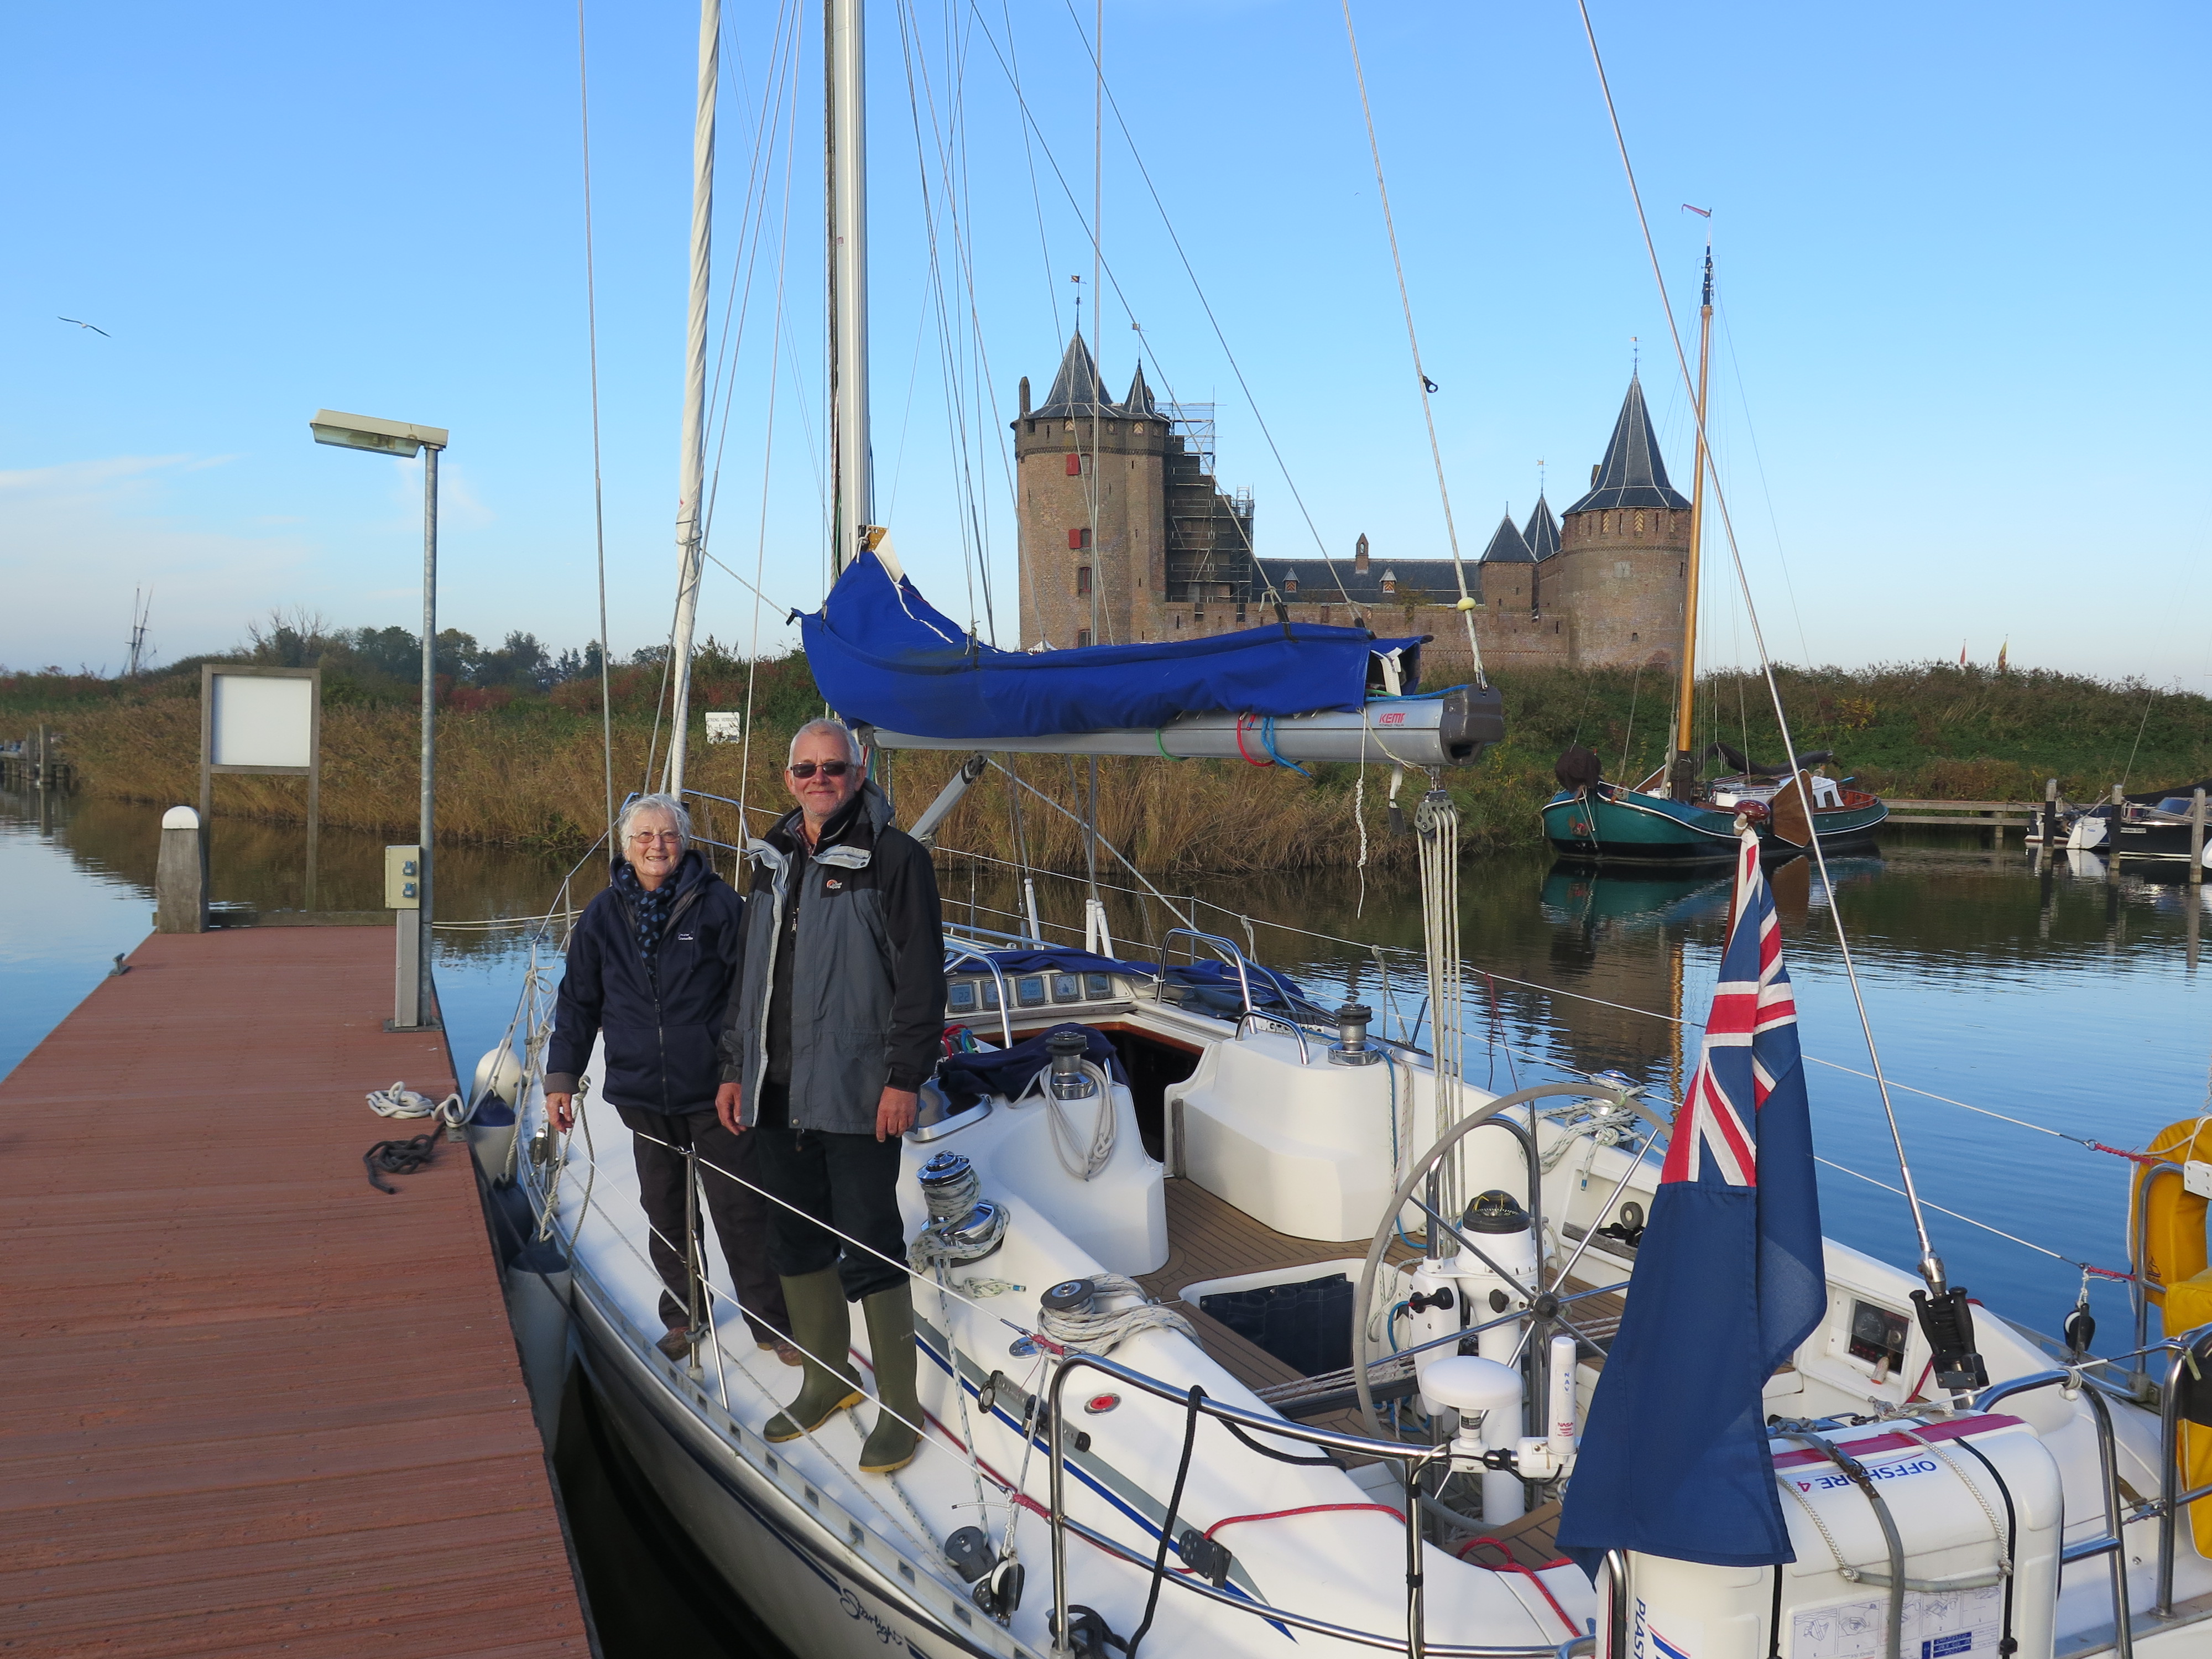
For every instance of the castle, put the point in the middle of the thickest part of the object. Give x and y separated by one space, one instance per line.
1124 533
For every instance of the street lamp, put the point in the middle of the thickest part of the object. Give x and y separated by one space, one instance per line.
406 440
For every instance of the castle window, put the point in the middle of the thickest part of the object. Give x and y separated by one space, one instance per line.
1074 465
1631 636
1325 614
1139 429
1639 524
1082 638
1081 579
1033 429
1078 541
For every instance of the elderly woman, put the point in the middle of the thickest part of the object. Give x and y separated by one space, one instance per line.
650 967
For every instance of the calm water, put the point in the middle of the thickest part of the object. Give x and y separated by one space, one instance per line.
2063 997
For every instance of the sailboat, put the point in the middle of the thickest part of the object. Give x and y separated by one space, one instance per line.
1189 1278
1675 816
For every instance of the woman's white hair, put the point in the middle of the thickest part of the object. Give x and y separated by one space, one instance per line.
666 803
828 723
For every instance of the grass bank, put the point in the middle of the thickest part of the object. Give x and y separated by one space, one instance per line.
523 768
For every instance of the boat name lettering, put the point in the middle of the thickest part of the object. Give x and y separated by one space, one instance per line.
1879 1472
1391 717
851 1603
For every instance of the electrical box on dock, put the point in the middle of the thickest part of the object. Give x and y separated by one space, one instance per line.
403 877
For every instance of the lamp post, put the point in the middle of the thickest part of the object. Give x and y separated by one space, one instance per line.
406 440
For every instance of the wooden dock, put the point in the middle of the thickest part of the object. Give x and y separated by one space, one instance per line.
250 1404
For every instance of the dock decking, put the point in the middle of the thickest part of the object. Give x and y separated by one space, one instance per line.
248 1404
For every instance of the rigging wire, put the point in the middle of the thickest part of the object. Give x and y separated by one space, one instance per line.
1931 1265
598 488
1205 304
1413 344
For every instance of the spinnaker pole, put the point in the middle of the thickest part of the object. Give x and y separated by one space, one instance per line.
1683 782
846 180
690 523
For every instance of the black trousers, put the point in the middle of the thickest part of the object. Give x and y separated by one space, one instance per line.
740 1214
849 1183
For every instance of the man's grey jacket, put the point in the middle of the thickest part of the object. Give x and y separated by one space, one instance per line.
866 973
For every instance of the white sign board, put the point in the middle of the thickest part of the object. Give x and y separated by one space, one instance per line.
260 721
726 729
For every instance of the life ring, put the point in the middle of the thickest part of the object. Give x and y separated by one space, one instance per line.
2169 1257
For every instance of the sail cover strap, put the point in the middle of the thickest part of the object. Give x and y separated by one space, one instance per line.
883 655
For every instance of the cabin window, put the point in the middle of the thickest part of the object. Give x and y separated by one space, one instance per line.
1082 638
1078 541
1083 579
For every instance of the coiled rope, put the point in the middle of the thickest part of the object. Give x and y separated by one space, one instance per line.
1084 1161
400 1100
1101 1332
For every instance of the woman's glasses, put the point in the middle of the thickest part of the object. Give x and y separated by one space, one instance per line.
804 769
646 837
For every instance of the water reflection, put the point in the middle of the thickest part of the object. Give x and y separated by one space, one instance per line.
2062 992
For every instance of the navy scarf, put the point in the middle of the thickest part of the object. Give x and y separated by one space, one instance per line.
651 909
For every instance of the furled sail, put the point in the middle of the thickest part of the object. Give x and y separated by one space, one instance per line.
883 656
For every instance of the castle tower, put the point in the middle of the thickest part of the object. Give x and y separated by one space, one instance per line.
1542 534
1619 578
1507 571
1092 510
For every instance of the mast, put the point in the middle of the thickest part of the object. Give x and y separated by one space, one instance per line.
846 180
1685 769
690 527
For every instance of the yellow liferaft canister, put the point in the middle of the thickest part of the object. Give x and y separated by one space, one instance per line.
2171 1256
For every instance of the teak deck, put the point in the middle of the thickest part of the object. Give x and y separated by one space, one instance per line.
250 1404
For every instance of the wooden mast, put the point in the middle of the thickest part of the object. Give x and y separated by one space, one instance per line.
1685 769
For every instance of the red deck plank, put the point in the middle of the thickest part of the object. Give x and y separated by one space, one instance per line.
249 1404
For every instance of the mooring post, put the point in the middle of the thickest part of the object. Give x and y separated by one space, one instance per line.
180 875
2195 839
2049 813
43 765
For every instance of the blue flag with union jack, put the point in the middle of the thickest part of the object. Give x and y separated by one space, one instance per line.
1728 1280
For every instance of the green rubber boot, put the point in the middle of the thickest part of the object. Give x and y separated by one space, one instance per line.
892 1443
820 1325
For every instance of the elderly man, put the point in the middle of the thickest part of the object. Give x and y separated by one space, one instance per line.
651 965
839 1014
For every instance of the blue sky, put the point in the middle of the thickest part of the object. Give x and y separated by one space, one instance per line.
1957 384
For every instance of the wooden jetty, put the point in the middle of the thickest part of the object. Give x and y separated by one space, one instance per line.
35 762
251 1404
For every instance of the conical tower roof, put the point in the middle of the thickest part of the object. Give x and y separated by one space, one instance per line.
1632 474
1138 405
1507 545
1075 389
1542 533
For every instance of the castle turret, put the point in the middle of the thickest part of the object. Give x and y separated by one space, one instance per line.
1619 575
1507 571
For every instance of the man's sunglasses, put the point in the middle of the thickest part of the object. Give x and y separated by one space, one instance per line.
804 769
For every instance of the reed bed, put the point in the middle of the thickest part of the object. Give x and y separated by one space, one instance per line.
527 771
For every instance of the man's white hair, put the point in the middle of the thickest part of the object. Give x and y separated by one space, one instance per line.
667 803
828 723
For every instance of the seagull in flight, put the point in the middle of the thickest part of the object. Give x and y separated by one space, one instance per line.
94 327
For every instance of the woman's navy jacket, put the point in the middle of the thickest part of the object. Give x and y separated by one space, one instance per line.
661 1044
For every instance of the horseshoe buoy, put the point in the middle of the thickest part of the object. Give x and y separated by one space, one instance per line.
2170 1256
